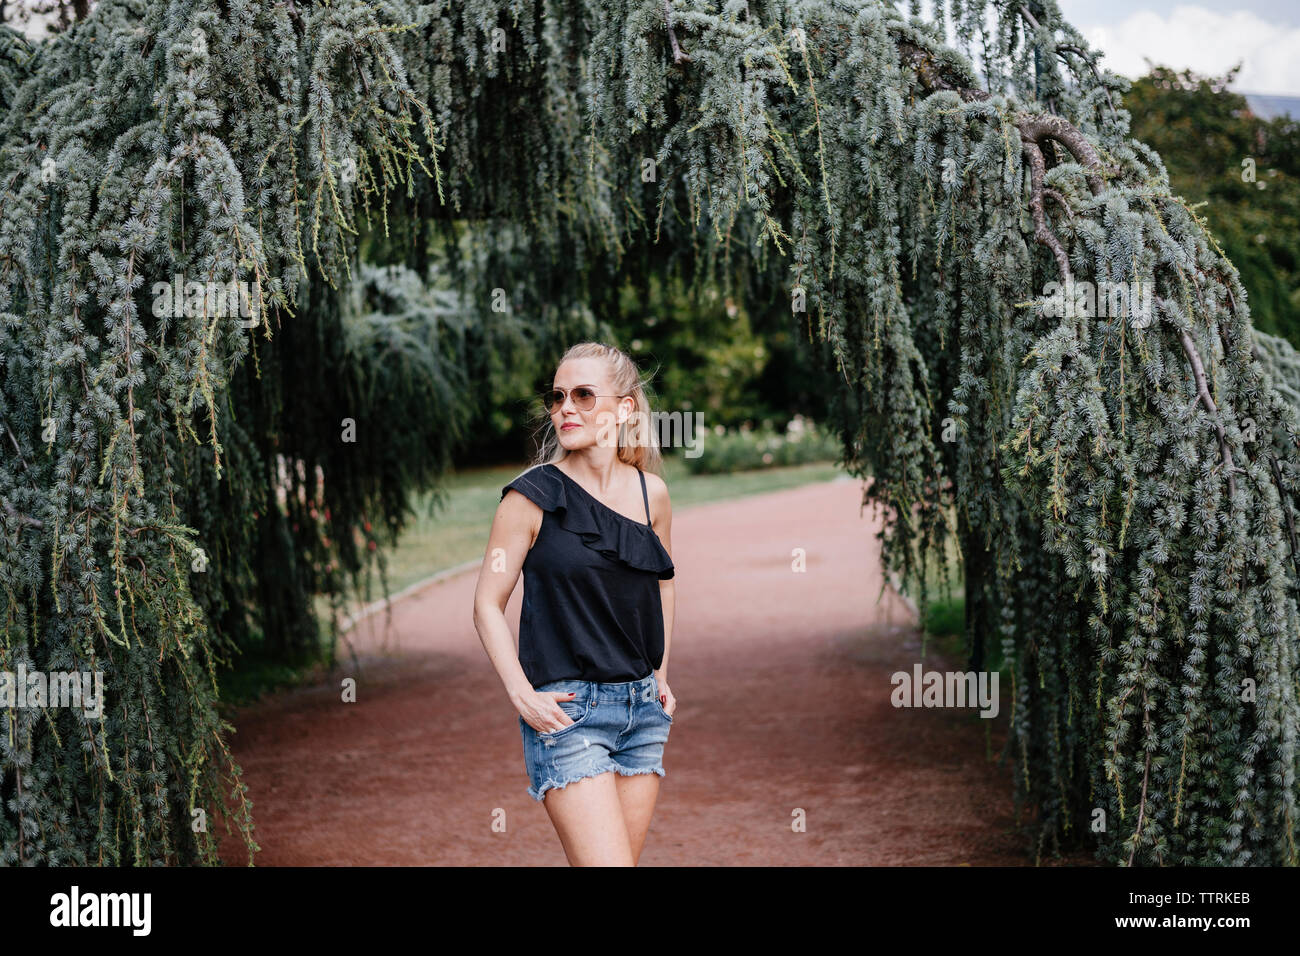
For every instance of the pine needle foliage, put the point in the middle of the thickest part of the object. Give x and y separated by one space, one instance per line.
163 493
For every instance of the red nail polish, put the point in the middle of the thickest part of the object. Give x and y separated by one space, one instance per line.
572 692
663 698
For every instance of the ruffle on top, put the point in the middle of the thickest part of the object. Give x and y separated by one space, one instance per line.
600 527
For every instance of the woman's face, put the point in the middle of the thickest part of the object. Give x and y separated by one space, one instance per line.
578 428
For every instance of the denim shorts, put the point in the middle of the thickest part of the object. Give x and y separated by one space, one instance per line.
616 727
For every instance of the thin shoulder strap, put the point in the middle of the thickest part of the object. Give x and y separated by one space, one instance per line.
645 495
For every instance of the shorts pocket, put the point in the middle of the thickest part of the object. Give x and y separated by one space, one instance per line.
577 710
654 702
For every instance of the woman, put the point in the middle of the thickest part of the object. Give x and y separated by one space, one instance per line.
590 530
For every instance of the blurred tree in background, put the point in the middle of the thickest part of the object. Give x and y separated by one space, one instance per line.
1247 172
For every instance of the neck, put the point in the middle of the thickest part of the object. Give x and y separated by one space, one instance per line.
593 467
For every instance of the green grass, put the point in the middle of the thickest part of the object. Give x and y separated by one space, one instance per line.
944 621
945 615
255 675
944 627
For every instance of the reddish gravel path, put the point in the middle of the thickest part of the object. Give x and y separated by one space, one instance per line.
783 686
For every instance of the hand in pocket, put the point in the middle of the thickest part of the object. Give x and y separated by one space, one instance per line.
543 713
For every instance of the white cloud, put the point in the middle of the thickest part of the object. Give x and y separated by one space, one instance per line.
1207 42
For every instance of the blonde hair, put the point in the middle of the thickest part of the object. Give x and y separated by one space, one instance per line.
638 442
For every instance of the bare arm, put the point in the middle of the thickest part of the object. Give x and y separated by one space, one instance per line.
514 528
662 524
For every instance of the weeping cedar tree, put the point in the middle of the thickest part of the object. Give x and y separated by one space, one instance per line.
1122 483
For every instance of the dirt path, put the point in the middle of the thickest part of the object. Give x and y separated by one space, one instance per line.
783 686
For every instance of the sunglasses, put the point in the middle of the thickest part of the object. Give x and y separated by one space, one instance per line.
584 396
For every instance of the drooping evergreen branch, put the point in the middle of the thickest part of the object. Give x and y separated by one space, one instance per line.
1035 130
1084 55
1281 709
169 145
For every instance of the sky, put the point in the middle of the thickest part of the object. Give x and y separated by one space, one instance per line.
1209 36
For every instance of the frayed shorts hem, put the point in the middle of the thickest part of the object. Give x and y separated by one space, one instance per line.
540 794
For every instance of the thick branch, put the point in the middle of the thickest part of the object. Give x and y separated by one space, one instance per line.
1035 130
1024 12
17 450
1037 169
24 519
933 75
365 84
1203 392
1051 193
679 55
1043 126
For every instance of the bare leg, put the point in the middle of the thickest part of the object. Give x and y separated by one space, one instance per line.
637 794
588 818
